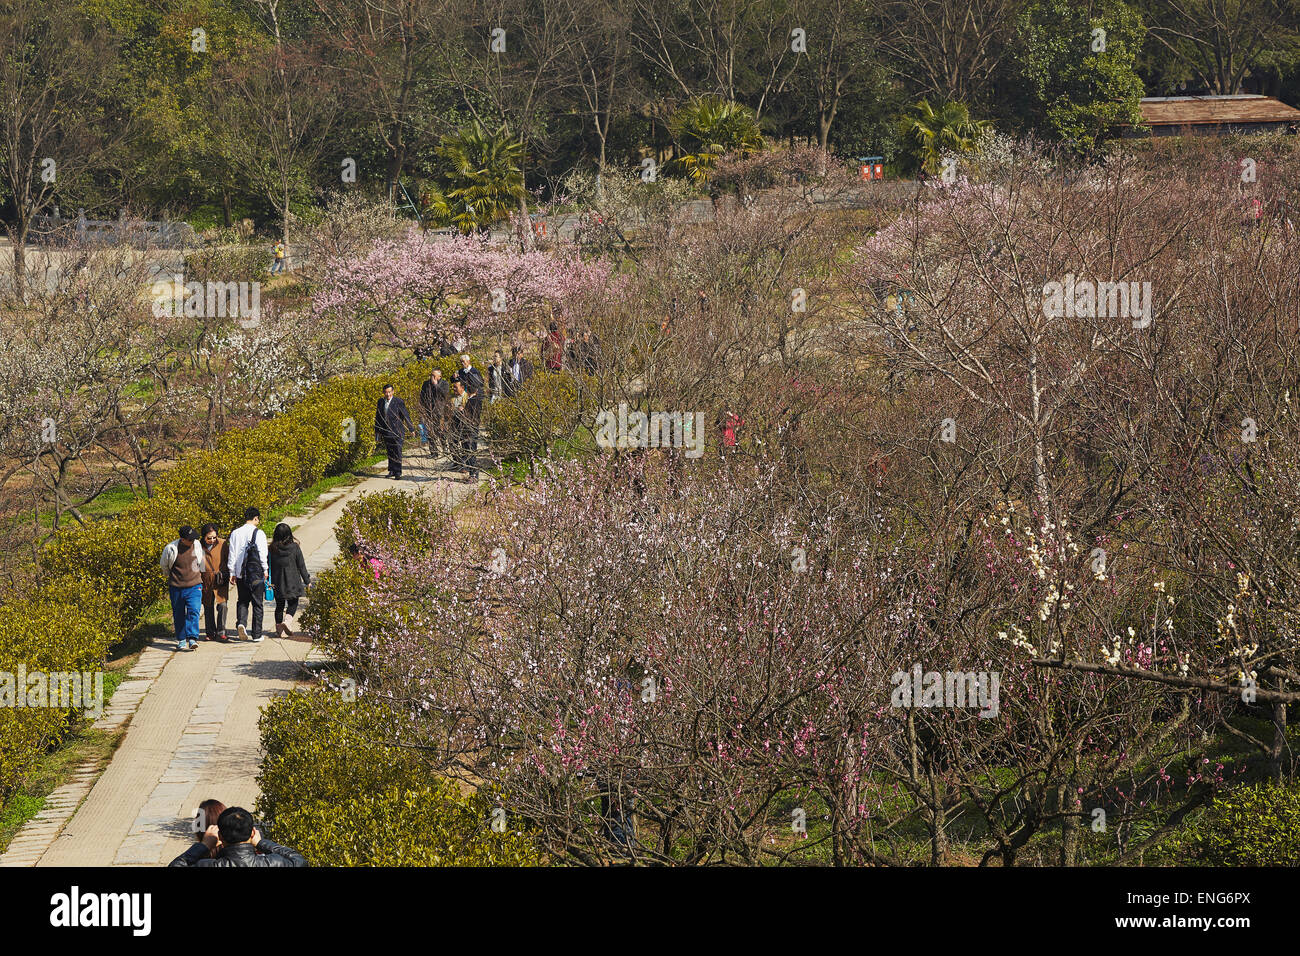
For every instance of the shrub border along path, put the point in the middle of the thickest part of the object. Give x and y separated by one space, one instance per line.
193 731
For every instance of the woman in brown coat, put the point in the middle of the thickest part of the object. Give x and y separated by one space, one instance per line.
216 584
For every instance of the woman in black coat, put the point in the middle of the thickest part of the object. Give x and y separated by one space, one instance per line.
289 576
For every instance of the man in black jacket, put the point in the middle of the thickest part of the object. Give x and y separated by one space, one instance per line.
392 424
241 845
472 415
474 384
435 412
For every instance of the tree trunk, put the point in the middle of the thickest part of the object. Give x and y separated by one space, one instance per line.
284 233
19 237
393 172
526 226
1279 737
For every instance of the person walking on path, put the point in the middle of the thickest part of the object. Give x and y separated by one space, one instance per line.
472 379
216 586
247 568
392 424
289 576
475 389
459 425
435 412
235 841
466 430
278 264
182 562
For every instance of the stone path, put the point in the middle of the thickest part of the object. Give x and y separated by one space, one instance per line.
193 724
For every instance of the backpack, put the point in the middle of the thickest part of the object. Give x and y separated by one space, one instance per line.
253 561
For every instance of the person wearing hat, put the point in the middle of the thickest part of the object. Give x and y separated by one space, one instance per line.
182 562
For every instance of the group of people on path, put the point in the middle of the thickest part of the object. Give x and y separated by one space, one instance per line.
450 413
201 566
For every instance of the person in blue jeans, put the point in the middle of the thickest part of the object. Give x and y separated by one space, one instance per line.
182 562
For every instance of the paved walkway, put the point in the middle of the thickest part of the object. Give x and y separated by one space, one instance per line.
193 724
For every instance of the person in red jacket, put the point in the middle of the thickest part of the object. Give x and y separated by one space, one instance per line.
555 350
731 423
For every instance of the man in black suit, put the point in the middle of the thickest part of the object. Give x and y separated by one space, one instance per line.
435 412
472 415
392 424
517 372
474 386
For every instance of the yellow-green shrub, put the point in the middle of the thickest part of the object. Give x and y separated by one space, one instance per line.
343 411
218 487
289 436
60 627
336 791
549 407
1253 826
336 612
66 626
319 746
117 557
399 519
429 825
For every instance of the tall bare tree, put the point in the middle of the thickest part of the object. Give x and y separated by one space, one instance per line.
950 47
281 103
50 58
1221 40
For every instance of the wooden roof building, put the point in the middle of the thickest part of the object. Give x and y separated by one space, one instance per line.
1215 115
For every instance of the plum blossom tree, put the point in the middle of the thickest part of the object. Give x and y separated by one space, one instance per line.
415 292
628 642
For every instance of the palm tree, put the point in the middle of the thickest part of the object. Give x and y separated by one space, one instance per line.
929 133
481 180
704 129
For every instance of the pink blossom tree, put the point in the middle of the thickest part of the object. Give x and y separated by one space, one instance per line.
418 292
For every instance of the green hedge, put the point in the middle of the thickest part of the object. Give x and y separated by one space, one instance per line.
1253 826
337 611
549 408
399 519
118 558
334 791
290 437
61 628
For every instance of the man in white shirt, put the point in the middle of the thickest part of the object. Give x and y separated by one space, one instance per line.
247 566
